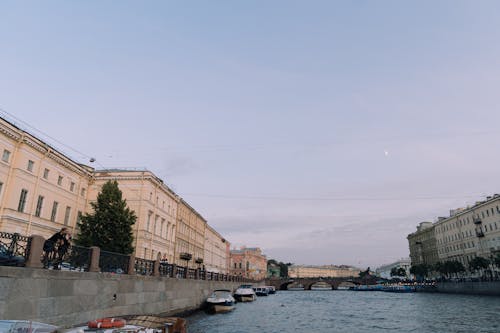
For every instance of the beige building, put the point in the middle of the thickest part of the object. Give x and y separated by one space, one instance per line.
216 251
154 204
470 232
422 243
41 189
190 236
248 262
307 271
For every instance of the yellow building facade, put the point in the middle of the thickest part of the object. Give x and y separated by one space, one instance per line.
190 236
216 251
305 271
41 190
155 206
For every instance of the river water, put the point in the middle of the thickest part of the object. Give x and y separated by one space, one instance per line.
350 311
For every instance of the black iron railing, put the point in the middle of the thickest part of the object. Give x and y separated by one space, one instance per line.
72 258
14 249
144 266
181 272
191 273
111 262
166 270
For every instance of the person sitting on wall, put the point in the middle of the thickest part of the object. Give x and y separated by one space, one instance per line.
56 246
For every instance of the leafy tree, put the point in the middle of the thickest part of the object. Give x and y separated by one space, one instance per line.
398 271
365 274
478 263
110 226
420 270
496 260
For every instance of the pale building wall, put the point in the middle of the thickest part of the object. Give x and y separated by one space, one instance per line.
473 231
155 206
384 271
302 271
216 255
29 165
190 236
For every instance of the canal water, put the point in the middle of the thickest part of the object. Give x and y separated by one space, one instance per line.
349 311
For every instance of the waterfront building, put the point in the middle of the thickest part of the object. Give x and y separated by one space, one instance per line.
154 204
190 236
422 243
384 271
249 262
466 233
325 271
41 189
470 232
217 256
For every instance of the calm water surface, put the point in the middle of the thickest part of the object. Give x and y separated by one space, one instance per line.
348 311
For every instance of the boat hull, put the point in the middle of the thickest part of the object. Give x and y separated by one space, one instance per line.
221 307
245 298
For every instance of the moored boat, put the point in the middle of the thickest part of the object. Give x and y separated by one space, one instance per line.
261 291
221 301
399 289
134 324
271 289
15 326
245 293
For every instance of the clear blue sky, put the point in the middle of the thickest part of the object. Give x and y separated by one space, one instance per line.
321 131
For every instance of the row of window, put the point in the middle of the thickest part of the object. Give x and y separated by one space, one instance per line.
46 172
467 220
39 207
468 233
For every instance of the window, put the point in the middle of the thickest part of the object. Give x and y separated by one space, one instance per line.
240 265
54 211
1 186
30 165
162 226
78 217
46 173
82 192
72 186
22 200
66 215
148 223
6 156
59 180
39 205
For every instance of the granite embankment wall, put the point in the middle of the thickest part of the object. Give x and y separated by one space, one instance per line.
472 288
68 298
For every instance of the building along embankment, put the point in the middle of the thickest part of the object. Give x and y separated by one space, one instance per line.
66 298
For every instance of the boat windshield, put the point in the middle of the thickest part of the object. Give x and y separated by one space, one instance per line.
246 286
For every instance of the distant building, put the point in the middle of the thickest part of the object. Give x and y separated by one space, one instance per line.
422 244
190 237
216 252
249 262
306 271
385 270
467 233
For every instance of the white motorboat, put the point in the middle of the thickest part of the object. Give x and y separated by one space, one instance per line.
221 301
15 326
261 291
245 293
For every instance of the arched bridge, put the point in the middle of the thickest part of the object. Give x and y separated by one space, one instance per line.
282 283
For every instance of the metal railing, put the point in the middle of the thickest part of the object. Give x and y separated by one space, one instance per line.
14 249
111 262
144 266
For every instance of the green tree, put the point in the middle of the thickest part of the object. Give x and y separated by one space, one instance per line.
398 271
420 271
496 260
110 226
478 264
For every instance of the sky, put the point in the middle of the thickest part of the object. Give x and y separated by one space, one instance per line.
321 131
